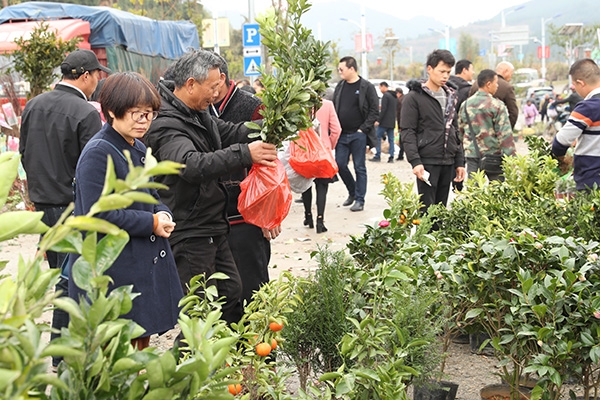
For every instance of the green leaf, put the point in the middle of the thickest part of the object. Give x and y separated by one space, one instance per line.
473 313
141 197
7 376
9 163
110 177
111 202
15 223
84 223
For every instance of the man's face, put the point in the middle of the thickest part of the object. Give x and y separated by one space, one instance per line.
345 72
383 88
580 87
206 92
91 82
493 86
440 74
468 73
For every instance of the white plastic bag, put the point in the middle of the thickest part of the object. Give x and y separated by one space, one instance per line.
298 183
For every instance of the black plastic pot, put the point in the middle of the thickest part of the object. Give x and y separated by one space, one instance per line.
476 340
434 390
502 391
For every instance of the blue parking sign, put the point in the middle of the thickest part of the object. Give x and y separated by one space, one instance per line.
251 65
251 35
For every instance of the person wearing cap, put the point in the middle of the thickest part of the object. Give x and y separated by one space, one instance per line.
55 126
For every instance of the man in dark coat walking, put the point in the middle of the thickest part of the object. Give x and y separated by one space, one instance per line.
357 106
387 121
185 132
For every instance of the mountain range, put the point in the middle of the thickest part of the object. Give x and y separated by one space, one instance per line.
415 33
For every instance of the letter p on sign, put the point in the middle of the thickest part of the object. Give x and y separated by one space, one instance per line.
251 35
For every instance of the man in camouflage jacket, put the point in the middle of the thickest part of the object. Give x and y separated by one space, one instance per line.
490 124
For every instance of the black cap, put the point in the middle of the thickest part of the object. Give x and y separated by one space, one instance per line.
81 60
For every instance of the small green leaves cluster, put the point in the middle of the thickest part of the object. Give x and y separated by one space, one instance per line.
39 55
292 93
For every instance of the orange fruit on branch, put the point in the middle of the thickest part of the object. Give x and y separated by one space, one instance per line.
235 389
275 327
263 349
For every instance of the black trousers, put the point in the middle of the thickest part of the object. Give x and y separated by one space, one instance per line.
207 255
440 178
322 186
252 253
60 318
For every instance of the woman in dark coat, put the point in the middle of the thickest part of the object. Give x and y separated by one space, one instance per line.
129 104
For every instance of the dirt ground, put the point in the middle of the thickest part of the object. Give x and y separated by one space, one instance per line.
291 251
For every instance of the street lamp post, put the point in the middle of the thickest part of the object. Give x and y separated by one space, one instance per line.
445 33
544 22
503 15
363 34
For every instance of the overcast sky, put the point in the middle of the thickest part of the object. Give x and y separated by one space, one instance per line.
453 12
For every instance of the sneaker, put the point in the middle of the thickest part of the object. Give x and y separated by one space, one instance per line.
348 201
391 160
400 158
375 159
357 207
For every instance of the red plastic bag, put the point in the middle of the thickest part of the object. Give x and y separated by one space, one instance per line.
316 161
266 196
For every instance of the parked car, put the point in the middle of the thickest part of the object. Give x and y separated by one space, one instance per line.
538 94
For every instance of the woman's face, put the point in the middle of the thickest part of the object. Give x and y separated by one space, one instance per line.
135 122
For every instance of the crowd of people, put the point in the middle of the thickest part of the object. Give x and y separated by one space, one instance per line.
196 116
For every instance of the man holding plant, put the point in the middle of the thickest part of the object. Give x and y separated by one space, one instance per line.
583 126
185 132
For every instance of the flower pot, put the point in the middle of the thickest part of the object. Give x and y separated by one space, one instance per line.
502 392
524 383
566 196
476 340
434 390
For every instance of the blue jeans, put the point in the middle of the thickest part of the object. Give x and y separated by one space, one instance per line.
355 144
381 132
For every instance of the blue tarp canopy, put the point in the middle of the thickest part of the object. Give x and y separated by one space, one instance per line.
111 27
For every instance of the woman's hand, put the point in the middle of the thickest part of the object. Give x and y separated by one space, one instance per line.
165 226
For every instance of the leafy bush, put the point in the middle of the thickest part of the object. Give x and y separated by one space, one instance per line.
319 320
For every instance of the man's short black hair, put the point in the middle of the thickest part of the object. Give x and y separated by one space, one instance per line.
384 84
224 69
586 70
462 65
439 55
350 62
485 76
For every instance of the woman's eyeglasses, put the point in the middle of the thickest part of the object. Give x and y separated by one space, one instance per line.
138 116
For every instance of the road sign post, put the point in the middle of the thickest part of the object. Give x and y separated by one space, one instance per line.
252 50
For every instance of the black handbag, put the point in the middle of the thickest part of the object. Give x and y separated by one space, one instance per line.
490 163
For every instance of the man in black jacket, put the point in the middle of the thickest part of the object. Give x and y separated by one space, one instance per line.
429 131
463 75
387 121
357 107
210 148
55 126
